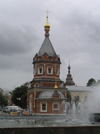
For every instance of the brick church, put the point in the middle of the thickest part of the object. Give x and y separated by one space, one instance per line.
46 93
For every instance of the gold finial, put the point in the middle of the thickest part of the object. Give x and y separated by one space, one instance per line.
47 26
55 87
47 13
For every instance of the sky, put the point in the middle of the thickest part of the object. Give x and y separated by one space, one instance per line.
74 33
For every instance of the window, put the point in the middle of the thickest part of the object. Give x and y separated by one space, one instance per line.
40 70
43 107
55 106
49 70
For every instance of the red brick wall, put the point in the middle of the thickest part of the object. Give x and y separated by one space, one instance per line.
45 72
49 108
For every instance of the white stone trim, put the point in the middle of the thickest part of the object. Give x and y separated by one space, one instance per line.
54 104
39 70
57 71
45 77
48 70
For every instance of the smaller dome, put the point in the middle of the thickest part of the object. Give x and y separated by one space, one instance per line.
69 67
48 94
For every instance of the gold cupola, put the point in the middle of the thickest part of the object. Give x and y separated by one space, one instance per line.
55 87
47 26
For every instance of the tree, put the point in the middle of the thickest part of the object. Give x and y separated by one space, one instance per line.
98 82
3 100
91 82
19 96
68 96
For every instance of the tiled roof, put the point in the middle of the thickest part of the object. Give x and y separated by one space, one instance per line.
47 48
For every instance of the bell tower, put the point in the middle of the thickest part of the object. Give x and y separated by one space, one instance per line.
46 63
69 79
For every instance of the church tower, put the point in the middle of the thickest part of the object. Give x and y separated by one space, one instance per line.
69 79
46 92
46 63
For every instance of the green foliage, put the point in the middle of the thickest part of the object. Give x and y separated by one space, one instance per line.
3 100
68 96
91 82
19 96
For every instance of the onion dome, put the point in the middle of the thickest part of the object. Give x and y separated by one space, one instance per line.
69 67
47 26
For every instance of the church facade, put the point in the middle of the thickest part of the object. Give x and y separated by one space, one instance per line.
46 93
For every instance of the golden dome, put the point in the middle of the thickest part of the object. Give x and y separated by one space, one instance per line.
47 26
55 87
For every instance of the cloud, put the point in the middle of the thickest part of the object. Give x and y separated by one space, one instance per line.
16 40
74 33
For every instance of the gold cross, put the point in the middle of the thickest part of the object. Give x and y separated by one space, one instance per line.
47 13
